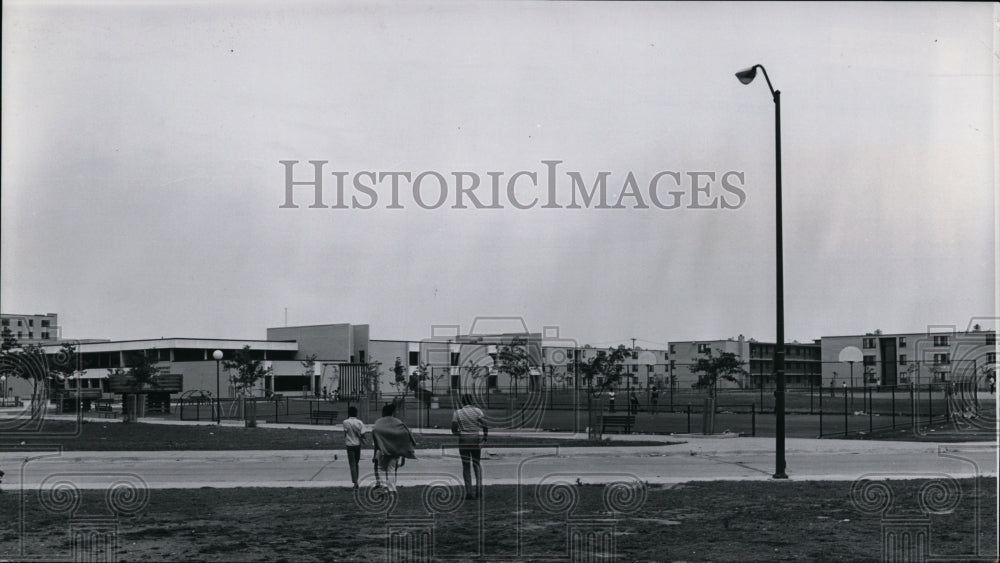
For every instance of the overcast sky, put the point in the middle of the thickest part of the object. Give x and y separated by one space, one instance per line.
142 188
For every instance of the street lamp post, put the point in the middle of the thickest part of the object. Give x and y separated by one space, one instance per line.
217 355
746 77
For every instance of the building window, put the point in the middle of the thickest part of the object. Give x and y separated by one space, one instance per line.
991 358
45 336
703 348
19 323
31 335
673 349
869 360
6 322
31 322
902 359
868 343
20 334
902 342
991 339
45 324
414 358
635 368
942 359
940 340
454 359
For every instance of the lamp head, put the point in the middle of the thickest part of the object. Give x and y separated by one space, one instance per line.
217 355
747 76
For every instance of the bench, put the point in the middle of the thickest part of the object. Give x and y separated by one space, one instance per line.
103 409
323 412
623 421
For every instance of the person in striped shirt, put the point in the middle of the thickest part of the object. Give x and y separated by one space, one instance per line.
466 424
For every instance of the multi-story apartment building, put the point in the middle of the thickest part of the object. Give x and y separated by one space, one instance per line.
938 355
32 329
802 361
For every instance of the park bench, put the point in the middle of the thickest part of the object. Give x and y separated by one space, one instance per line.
103 409
622 421
322 411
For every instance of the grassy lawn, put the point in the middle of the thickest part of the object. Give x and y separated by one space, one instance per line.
708 521
116 436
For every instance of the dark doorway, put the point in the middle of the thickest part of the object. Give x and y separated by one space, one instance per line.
889 364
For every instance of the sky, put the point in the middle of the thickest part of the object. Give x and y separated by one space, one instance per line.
143 191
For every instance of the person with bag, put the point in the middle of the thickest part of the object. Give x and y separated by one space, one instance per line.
393 444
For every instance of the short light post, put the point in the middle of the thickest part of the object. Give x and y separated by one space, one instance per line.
746 77
217 355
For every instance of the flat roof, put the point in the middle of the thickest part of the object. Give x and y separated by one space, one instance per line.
164 343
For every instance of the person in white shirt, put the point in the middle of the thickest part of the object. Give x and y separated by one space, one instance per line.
354 437
466 424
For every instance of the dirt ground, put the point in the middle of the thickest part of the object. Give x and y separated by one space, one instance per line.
708 521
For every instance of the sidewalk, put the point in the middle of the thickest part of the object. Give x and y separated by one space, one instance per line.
697 458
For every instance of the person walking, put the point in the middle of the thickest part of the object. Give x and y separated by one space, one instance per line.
354 437
634 404
611 400
393 445
654 398
466 424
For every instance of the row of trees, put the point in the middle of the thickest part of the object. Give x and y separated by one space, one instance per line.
605 369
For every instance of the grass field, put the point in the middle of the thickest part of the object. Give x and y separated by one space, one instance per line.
707 521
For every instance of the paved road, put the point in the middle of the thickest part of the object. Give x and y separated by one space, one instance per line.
696 459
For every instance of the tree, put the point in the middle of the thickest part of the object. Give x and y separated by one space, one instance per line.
244 373
477 372
9 341
309 370
26 362
399 375
711 368
420 374
135 381
373 376
606 366
514 360
144 370
66 361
